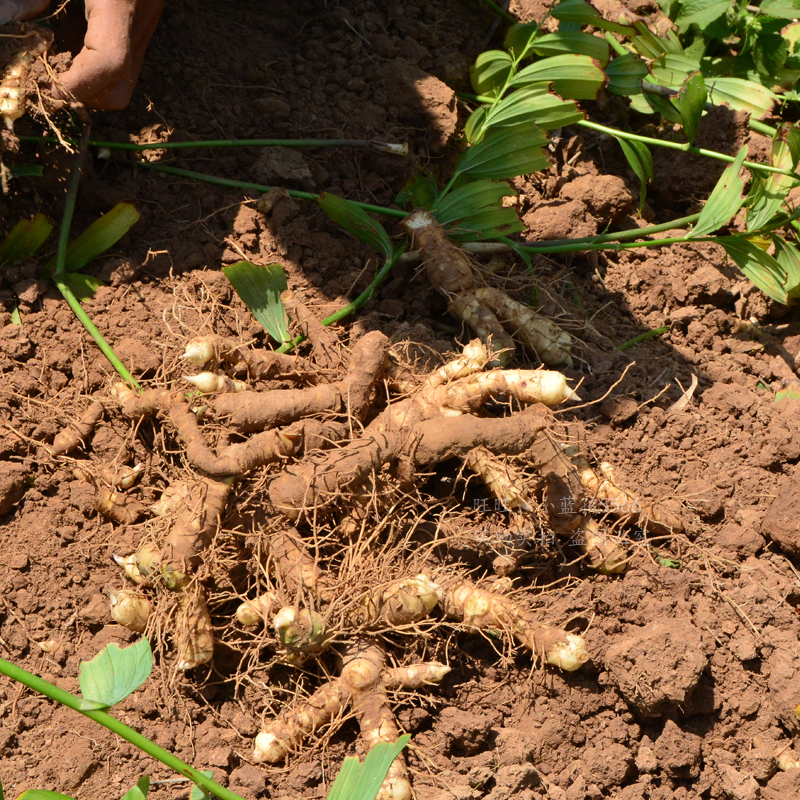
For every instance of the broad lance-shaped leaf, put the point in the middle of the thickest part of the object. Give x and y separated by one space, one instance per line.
260 289
505 153
475 211
355 220
102 234
138 792
641 161
419 192
114 673
770 192
536 104
520 39
42 794
573 76
724 201
82 286
584 14
490 71
691 102
625 74
788 256
760 267
26 237
586 44
357 781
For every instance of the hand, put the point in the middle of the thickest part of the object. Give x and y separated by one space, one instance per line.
104 72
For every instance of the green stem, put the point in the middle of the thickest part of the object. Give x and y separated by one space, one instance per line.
69 204
91 329
501 12
620 236
579 247
105 719
211 143
363 298
699 151
643 337
202 176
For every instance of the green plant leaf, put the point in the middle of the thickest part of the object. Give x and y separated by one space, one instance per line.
554 44
102 234
742 95
16 319
760 267
505 153
791 391
43 794
671 563
490 72
641 161
770 192
260 289
625 74
574 77
114 673
672 69
26 237
785 9
357 781
26 171
198 792
470 199
690 102
647 44
724 201
700 12
138 792
472 130
356 221
788 256
536 104
651 103
520 38
582 13
83 286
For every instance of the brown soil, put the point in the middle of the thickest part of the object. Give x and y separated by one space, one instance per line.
694 673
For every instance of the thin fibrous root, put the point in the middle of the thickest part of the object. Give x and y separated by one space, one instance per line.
253 411
77 432
541 336
482 609
314 484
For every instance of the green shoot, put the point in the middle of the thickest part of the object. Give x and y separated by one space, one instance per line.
138 792
357 781
260 289
26 237
643 337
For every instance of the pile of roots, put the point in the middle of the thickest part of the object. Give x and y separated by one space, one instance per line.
307 519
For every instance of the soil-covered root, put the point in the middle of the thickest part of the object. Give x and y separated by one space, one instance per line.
539 335
77 432
323 340
482 609
35 43
363 685
258 364
487 311
254 411
314 484
622 504
194 635
467 394
194 529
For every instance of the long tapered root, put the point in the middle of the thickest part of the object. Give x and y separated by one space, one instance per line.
482 609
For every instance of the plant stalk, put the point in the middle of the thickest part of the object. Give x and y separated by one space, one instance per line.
382 147
202 176
105 719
